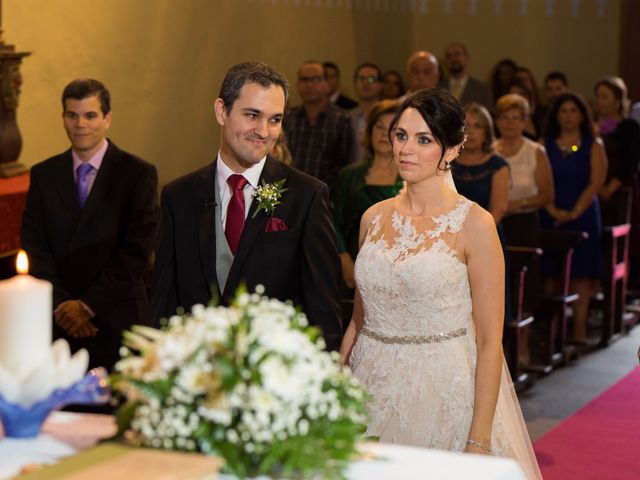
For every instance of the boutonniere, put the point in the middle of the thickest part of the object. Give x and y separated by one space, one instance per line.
268 196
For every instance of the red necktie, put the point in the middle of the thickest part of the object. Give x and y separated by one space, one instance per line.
235 211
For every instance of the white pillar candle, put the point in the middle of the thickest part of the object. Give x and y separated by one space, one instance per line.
25 323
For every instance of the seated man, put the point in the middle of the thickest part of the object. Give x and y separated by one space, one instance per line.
89 227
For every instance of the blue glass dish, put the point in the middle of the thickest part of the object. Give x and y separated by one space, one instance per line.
19 421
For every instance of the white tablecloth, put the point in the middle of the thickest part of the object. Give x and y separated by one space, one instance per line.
67 433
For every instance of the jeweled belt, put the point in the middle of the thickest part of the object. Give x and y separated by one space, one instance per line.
414 339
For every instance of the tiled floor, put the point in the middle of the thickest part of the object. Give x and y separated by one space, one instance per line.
566 390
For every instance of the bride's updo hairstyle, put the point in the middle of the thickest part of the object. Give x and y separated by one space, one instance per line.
443 114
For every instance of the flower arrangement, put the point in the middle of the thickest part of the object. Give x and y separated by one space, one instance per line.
250 383
268 196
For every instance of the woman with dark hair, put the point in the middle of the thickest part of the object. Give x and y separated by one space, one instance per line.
392 85
579 164
537 113
362 184
426 333
501 77
621 137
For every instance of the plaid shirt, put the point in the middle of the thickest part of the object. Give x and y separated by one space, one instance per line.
321 149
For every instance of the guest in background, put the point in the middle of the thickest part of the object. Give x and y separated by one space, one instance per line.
281 151
320 134
423 72
501 76
531 129
367 83
332 74
479 173
392 85
531 180
579 167
482 176
635 112
555 84
367 182
621 137
460 84
537 111
89 228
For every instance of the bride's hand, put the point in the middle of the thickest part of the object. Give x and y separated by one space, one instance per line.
471 448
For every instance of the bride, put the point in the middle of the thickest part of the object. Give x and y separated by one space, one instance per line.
426 332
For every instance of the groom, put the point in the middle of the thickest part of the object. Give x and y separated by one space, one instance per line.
213 236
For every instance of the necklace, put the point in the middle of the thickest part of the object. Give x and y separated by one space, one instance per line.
568 149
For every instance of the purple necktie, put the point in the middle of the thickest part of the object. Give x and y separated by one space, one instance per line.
235 211
82 172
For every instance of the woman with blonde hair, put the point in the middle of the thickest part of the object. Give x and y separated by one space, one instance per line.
531 177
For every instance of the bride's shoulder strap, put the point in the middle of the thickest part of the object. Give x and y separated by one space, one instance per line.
372 216
454 219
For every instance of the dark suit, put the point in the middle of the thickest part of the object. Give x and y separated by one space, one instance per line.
96 254
474 91
345 102
300 264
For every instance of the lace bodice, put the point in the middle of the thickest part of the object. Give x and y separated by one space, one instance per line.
410 265
416 351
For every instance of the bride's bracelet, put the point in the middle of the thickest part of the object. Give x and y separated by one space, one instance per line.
484 447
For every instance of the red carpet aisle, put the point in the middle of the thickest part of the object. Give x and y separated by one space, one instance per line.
600 441
13 194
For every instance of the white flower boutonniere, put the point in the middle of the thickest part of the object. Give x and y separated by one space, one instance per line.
268 196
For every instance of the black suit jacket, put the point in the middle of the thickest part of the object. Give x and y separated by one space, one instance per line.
98 253
345 102
474 91
299 264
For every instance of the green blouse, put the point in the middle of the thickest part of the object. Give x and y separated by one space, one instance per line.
352 197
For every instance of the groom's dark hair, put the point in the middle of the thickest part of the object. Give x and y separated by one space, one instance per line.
250 72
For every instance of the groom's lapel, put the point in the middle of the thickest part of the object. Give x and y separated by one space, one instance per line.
206 226
253 226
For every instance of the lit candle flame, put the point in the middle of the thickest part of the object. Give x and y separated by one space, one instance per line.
22 262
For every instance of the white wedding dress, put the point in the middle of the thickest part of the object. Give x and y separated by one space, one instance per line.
416 351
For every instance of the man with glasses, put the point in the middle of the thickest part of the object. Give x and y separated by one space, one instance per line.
320 135
367 81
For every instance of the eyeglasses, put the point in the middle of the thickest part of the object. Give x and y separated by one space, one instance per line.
367 78
315 79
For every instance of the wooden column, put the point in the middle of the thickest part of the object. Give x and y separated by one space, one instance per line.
10 83
10 138
630 47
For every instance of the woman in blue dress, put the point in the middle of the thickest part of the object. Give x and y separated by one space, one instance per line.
483 176
579 166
